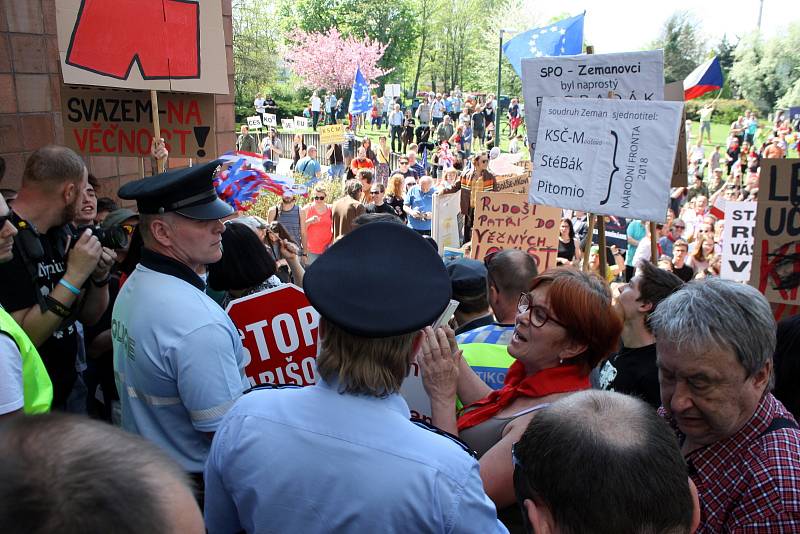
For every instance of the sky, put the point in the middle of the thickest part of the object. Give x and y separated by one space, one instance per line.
629 25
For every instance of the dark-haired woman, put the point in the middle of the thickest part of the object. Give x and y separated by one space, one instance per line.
569 250
246 266
282 247
564 326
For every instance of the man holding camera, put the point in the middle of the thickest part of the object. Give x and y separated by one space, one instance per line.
55 276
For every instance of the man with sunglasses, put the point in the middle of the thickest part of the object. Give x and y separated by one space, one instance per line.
475 181
52 279
632 477
675 231
404 168
178 358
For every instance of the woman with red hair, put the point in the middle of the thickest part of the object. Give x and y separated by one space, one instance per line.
564 327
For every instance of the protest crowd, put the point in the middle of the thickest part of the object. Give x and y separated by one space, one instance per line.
624 386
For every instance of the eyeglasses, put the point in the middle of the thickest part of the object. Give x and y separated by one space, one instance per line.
679 227
538 315
375 192
403 163
319 198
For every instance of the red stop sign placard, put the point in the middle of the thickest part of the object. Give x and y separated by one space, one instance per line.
279 329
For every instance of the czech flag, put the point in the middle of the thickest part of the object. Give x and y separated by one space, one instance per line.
707 77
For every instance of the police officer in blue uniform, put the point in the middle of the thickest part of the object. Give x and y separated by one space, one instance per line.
343 455
178 359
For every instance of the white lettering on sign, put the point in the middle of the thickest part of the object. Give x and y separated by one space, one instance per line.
606 156
284 331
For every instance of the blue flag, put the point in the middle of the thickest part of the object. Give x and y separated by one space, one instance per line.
561 38
360 100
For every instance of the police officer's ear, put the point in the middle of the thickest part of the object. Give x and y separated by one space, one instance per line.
539 517
161 231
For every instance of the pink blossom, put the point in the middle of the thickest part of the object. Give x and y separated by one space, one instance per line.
329 61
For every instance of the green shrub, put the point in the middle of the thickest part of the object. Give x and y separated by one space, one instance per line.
725 110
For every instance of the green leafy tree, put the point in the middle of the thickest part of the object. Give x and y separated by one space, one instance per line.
767 71
255 48
683 45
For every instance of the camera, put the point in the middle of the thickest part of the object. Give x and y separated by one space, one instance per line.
113 237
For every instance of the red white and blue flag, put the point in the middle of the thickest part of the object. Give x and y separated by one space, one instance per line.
707 77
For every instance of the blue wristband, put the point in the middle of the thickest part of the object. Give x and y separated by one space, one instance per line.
74 290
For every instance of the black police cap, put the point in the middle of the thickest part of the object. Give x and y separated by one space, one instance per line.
348 284
467 276
189 192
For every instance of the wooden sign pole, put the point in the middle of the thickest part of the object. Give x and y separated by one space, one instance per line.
601 242
156 124
653 243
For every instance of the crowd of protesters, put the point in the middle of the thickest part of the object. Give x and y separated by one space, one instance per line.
654 397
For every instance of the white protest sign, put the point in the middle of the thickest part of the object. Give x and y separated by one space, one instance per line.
606 156
444 221
737 240
300 122
254 122
391 90
413 391
629 75
270 120
287 124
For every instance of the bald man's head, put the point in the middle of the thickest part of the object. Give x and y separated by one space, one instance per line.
603 462
68 474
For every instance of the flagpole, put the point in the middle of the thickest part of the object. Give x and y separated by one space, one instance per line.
497 102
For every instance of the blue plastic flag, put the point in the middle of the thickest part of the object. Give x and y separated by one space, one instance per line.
360 100
561 38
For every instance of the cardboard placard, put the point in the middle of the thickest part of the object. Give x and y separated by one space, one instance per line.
116 122
606 156
270 120
254 123
673 92
737 240
776 252
300 122
507 220
166 45
444 222
287 124
331 135
513 184
629 75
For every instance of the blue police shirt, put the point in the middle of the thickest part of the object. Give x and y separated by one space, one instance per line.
423 202
314 460
178 359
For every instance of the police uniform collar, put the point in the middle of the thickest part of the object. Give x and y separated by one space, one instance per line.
166 265
394 402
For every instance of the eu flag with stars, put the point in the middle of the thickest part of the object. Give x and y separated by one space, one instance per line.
360 100
561 38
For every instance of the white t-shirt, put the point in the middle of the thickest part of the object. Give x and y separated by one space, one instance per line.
315 103
11 397
258 103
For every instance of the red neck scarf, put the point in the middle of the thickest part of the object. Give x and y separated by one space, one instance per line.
546 382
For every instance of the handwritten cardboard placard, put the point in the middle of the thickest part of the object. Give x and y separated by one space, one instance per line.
287 124
330 135
606 156
517 183
300 122
507 220
270 120
737 240
629 76
166 45
254 123
444 223
116 122
776 253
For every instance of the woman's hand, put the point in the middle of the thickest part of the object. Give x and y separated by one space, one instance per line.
289 250
438 358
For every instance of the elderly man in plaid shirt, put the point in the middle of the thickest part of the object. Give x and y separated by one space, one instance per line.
715 340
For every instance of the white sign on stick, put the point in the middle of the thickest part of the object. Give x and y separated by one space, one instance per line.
391 90
300 122
254 122
629 75
737 240
270 120
444 223
606 156
287 124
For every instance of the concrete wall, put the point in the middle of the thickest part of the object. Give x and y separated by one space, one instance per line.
30 100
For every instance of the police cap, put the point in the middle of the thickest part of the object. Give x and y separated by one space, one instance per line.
189 192
467 276
348 283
